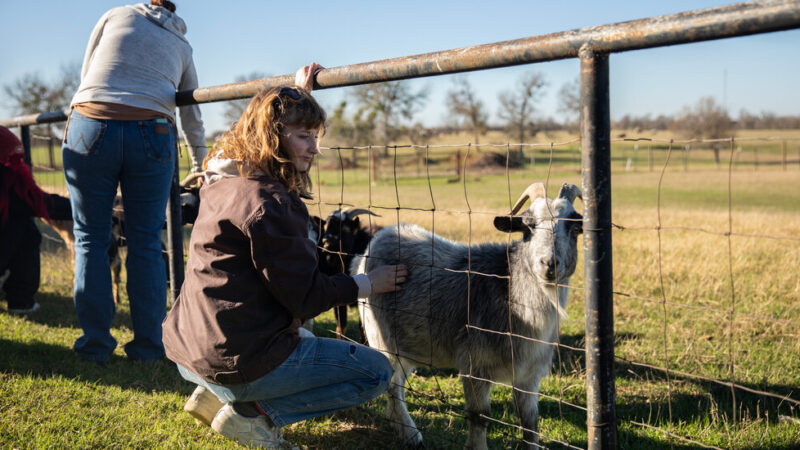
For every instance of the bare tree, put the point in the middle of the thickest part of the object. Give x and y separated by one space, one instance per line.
569 98
383 106
517 107
706 120
31 94
466 108
235 108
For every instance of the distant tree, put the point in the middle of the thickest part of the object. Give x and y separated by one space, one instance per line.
569 98
235 108
706 120
418 134
466 108
344 132
31 94
517 107
383 106
766 120
645 122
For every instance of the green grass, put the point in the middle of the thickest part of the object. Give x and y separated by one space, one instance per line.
728 311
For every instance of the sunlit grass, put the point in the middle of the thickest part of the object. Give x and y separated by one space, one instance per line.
705 282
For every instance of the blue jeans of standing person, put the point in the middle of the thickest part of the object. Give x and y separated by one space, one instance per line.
320 377
139 156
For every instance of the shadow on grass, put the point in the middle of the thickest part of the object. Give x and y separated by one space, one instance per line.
58 311
43 360
693 401
33 358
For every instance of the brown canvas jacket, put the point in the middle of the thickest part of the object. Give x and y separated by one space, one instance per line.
251 279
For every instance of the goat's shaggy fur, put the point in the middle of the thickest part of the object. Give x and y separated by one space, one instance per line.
455 293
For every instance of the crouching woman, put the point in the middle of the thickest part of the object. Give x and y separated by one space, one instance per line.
252 279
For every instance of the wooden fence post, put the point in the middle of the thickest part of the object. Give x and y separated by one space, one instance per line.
783 155
458 165
686 149
755 157
374 159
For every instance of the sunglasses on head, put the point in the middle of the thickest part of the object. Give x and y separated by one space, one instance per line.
290 92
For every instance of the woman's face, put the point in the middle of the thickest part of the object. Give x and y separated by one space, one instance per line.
301 145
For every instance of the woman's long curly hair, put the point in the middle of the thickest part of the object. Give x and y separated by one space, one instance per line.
255 139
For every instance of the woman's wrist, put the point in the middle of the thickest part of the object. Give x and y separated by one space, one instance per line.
364 284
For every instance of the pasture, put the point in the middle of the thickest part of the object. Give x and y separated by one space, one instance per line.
705 281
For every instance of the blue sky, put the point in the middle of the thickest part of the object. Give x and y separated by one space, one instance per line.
232 39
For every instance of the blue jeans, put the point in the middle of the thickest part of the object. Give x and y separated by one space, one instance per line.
139 156
320 377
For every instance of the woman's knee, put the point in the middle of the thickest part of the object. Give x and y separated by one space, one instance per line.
382 369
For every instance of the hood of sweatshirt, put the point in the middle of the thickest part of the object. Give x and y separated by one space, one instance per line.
163 18
219 167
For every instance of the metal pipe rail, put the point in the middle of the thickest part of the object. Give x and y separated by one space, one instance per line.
593 46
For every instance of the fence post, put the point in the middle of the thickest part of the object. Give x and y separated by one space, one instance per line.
25 137
458 164
686 149
598 294
175 235
374 159
783 155
755 157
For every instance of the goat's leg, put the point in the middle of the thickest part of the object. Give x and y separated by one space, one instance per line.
476 399
340 313
396 411
526 400
115 262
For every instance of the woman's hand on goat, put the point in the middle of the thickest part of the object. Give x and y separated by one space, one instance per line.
305 76
387 278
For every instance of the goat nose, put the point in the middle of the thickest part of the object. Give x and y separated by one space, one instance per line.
551 264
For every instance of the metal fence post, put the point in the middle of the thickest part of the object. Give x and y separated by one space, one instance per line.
175 235
25 137
596 169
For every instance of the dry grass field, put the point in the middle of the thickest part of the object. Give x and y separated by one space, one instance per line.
706 308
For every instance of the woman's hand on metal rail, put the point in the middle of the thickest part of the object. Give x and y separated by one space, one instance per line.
305 76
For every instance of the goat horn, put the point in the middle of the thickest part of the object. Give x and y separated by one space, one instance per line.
353 212
191 178
569 192
534 191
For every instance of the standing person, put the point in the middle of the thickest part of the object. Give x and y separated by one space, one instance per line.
122 132
252 279
20 201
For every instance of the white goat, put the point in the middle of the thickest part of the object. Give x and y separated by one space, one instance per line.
455 293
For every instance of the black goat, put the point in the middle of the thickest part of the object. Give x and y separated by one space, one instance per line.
344 238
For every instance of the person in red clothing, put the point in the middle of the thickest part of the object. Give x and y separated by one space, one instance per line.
20 201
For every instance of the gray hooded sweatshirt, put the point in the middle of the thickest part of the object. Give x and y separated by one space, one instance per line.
138 56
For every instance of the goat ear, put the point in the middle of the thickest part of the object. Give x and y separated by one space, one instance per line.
509 224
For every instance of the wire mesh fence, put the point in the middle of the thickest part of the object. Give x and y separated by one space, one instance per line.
706 313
